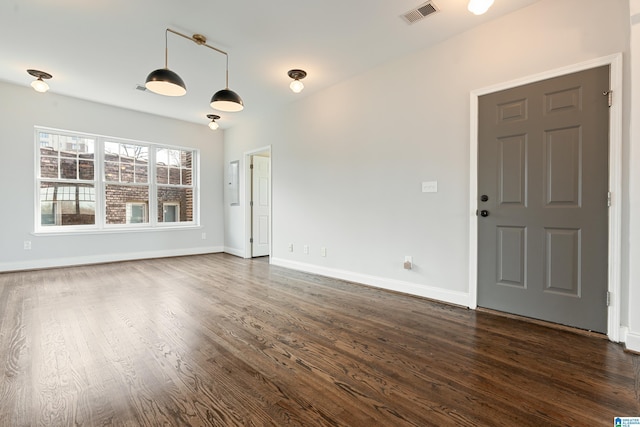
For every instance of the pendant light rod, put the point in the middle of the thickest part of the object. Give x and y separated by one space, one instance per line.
201 40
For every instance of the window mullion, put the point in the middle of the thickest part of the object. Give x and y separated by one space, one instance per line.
98 176
153 188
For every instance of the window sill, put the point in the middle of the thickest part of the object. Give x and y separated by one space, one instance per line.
116 230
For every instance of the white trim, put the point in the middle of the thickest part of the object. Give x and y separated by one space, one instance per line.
632 341
247 200
234 251
104 258
431 292
615 178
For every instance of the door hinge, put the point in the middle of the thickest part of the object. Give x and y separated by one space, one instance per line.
251 203
609 199
251 165
608 298
251 241
609 95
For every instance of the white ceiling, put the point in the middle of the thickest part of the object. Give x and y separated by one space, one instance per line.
100 50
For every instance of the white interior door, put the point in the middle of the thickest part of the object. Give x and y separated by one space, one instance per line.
260 205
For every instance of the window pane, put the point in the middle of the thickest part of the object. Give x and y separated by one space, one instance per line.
67 204
69 168
187 157
186 177
162 175
171 212
174 158
111 150
142 174
137 213
111 171
174 176
182 198
49 167
126 172
86 170
118 196
162 157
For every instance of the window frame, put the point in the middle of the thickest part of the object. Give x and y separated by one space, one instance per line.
100 184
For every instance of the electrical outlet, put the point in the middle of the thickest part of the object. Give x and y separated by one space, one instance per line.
27 245
430 187
204 236
290 247
305 249
323 251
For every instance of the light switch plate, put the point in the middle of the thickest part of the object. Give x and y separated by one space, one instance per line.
430 187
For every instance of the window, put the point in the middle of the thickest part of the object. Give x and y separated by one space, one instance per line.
136 212
88 182
126 177
66 180
174 171
171 212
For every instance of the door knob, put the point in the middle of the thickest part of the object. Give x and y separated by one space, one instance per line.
484 213
484 198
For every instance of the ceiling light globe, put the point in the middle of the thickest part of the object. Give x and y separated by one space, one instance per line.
163 81
213 125
40 86
296 86
478 7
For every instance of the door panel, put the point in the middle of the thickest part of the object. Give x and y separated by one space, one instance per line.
543 167
261 209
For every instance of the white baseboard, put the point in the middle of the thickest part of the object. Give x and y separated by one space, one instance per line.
234 251
451 297
103 258
631 339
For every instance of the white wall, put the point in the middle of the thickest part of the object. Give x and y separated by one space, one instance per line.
22 108
348 161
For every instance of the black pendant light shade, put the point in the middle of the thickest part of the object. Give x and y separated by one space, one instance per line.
227 100
163 81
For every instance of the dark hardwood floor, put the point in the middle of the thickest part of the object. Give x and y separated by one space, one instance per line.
218 340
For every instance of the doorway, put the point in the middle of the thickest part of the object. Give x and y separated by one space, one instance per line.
613 254
543 185
258 214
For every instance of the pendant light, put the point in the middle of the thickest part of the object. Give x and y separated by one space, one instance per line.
297 75
226 99
165 82
39 85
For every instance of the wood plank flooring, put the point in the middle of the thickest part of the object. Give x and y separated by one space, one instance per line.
215 340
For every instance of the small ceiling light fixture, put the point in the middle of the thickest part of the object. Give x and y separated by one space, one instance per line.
212 124
478 7
297 75
39 84
165 82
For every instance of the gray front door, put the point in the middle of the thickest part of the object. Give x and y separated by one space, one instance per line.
543 191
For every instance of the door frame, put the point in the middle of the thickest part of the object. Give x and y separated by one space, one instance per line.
615 178
247 199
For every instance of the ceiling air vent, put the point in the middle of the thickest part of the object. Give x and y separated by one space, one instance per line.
420 12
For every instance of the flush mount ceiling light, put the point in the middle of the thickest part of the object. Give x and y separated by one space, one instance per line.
297 75
166 82
212 124
478 7
39 84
